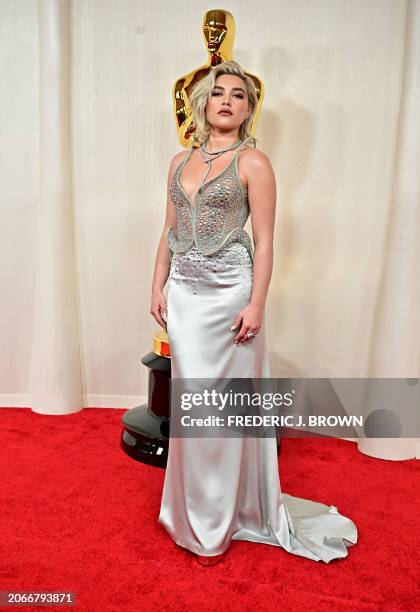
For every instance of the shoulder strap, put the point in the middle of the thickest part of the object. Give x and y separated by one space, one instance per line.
246 139
184 161
190 150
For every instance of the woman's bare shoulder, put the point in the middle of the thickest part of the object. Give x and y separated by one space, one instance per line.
254 158
178 157
175 162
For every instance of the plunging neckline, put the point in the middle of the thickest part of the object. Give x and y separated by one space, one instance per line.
178 179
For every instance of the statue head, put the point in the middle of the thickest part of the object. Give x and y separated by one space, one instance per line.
218 28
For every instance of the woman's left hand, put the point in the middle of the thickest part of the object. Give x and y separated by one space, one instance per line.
251 317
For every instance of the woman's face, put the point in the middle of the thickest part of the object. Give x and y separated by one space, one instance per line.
228 94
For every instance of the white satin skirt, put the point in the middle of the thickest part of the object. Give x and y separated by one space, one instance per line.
222 489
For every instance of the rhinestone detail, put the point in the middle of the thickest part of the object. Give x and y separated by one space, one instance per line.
218 217
230 266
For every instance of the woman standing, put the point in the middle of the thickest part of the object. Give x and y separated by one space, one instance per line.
218 489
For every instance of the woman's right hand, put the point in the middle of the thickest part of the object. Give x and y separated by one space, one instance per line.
158 308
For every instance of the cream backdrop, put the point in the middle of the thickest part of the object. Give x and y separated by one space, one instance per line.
87 134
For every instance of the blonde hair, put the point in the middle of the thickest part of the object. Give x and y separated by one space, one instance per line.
201 93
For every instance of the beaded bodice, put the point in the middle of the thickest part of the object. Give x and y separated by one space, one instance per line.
217 217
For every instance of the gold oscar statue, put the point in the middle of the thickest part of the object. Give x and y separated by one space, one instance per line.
219 34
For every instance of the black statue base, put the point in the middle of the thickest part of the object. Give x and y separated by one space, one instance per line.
144 436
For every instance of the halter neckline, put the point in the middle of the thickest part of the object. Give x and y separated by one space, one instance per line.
216 154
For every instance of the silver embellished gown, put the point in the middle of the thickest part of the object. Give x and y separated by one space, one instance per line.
222 489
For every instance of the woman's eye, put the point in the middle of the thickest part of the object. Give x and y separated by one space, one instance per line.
217 93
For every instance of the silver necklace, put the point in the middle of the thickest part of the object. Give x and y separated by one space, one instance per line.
209 156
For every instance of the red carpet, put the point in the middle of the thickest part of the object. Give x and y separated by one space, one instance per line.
79 515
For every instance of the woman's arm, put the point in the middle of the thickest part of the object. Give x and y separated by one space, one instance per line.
262 201
161 270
